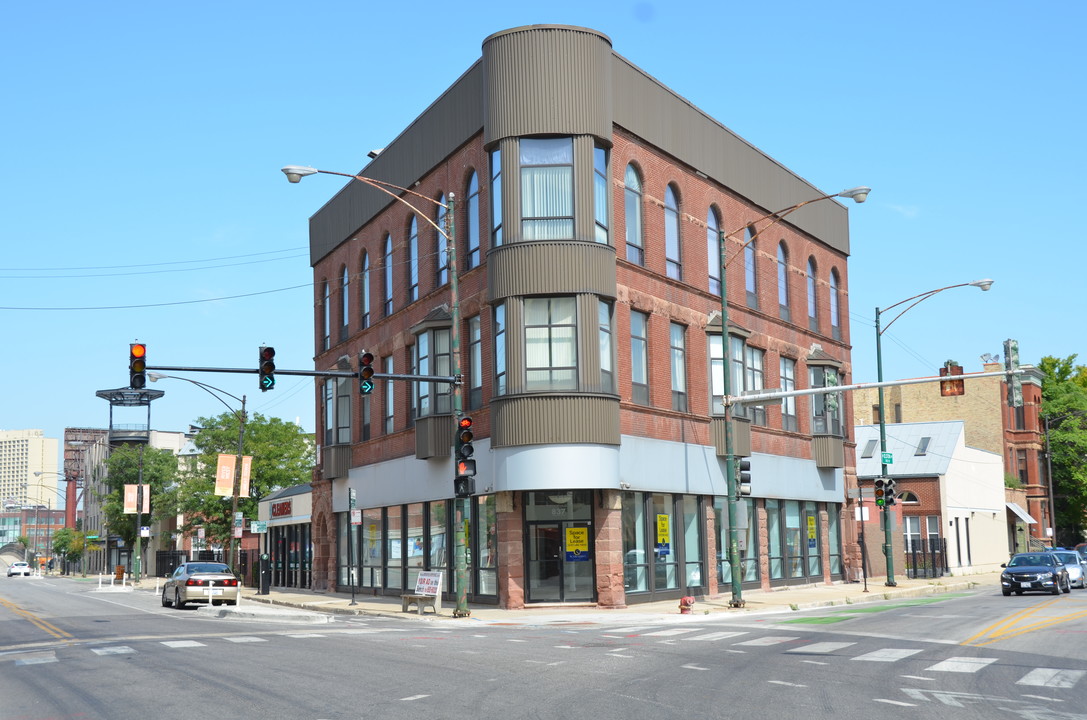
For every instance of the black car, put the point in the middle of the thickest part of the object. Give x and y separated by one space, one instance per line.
1040 571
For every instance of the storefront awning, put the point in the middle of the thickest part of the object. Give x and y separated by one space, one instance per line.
1023 515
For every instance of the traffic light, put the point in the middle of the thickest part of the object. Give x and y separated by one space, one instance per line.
267 368
1014 382
889 491
881 491
743 476
366 373
137 366
463 463
951 388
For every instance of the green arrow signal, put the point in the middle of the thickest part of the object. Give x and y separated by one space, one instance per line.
267 382
366 386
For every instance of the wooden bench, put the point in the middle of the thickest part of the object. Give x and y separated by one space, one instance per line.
428 590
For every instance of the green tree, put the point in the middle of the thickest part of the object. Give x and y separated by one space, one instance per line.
123 467
1064 403
283 456
69 544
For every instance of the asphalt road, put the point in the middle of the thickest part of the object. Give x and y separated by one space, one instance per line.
66 652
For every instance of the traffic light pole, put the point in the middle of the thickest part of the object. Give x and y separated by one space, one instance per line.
730 459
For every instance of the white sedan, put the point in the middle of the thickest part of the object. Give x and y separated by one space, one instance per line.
19 568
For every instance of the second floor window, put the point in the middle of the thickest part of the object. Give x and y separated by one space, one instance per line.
639 357
753 380
678 343
550 344
326 319
475 363
787 367
826 409
600 194
390 399
500 349
607 353
433 356
547 188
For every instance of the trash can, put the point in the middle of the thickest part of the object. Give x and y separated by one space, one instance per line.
119 573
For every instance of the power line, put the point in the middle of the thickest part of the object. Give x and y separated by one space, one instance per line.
173 262
163 304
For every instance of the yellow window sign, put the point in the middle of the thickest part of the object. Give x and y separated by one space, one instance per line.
811 527
663 532
577 543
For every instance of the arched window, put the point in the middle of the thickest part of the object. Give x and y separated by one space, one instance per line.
835 305
413 260
907 497
326 324
751 274
472 227
364 292
783 282
632 208
441 249
672 257
713 250
388 265
813 305
345 302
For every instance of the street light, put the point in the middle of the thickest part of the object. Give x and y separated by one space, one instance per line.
858 194
294 174
888 551
240 415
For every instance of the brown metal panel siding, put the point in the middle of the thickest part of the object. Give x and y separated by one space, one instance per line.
741 436
653 112
336 461
547 79
828 451
551 268
550 419
443 127
433 436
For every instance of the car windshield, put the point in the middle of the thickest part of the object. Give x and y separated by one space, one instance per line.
208 568
1068 558
1022 560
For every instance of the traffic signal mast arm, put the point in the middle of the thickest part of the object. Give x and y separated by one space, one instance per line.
759 398
451 379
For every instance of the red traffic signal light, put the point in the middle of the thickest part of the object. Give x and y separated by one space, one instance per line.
464 464
137 366
267 367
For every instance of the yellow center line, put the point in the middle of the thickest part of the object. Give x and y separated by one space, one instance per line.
37 621
1010 626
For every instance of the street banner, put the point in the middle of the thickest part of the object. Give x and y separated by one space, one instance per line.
247 464
131 495
137 500
224 475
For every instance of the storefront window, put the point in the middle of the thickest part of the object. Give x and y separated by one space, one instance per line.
371 548
487 522
811 530
635 558
773 540
414 547
834 539
692 542
394 548
664 547
793 539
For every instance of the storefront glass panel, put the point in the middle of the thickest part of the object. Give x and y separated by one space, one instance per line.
692 542
487 521
414 546
635 555
811 534
558 546
773 540
794 545
394 548
371 549
664 548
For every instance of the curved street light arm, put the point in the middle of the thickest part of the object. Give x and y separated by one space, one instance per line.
295 172
209 389
920 298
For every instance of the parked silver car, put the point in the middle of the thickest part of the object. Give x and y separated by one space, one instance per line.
201 582
1076 566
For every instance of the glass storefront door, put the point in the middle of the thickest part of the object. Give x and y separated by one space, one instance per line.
559 551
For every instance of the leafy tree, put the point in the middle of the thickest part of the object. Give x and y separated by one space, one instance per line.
123 467
24 541
1064 403
283 456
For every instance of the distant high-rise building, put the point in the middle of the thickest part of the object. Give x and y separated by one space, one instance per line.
28 468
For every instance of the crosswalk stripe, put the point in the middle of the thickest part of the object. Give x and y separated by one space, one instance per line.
767 641
1050 677
668 633
37 658
961 665
114 650
887 655
183 643
632 629
821 648
246 639
714 636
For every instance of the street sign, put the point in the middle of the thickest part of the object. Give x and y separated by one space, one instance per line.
258 526
92 537
888 458
356 516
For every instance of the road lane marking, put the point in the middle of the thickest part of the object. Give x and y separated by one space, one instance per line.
669 633
183 643
887 655
821 648
245 639
895 702
1051 677
36 621
961 665
788 684
768 641
712 637
114 650
37 658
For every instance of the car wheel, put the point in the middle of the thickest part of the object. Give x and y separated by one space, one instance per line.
166 601
178 602
1056 588
1067 586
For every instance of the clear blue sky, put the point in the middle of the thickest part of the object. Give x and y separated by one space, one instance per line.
141 194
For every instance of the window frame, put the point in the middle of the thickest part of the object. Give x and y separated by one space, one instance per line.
751 268
790 421
634 216
364 291
472 226
639 358
677 361
713 250
558 223
387 291
559 339
673 236
412 268
784 296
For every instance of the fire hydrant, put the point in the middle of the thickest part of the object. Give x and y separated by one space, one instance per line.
685 605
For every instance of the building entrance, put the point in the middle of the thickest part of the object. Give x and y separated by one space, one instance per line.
559 553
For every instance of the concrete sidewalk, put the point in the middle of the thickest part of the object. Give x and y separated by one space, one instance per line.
778 600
